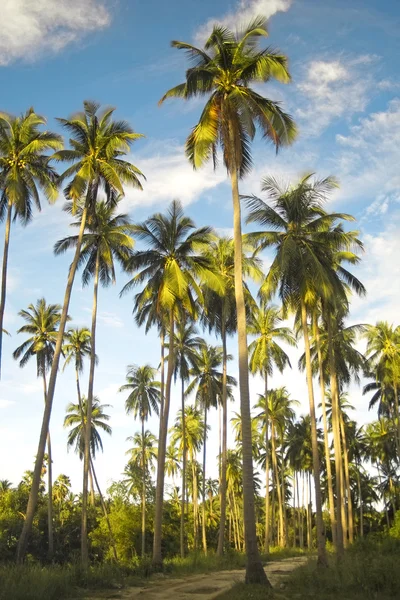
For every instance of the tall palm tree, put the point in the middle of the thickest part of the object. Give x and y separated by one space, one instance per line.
207 382
194 433
25 170
223 72
98 147
106 240
172 266
219 315
76 348
265 353
306 240
42 322
144 396
76 435
186 342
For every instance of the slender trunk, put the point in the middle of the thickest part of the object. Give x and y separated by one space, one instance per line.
104 508
143 493
182 532
162 445
336 442
195 503
361 502
331 501
266 539
49 480
162 383
396 403
344 504
92 497
278 488
273 511
33 495
347 479
88 428
254 569
302 514
204 534
310 513
236 518
285 529
314 441
219 443
294 511
222 490
4 275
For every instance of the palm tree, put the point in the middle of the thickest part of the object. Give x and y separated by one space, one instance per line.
219 315
98 145
278 415
265 353
223 72
25 170
305 268
144 397
106 239
186 342
207 381
172 265
76 348
42 322
76 435
194 434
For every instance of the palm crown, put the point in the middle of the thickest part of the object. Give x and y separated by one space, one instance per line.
76 420
144 391
224 71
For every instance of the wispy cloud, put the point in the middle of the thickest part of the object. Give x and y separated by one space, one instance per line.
245 11
110 319
170 175
334 89
5 403
31 28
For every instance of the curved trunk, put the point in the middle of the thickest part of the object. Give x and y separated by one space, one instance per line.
162 446
182 532
254 569
143 493
222 522
347 480
33 495
336 443
88 428
104 508
314 441
4 276
266 539
204 535
331 501
49 481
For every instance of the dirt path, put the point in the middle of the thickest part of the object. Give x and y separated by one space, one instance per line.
202 587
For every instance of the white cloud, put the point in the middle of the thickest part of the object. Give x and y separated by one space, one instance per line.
30 28
368 163
6 403
334 89
110 319
170 175
244 12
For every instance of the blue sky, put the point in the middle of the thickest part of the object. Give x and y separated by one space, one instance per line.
345 96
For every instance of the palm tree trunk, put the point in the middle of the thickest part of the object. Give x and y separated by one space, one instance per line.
143 493
361 502
182 532
254 569
195 504
4 275
347 480
162 383
278 488
396 403
285 529
162 446
336 443
302 514
49 479
88 429
204 535
104 508
222 522
273 511
33 495
331 501
266 539
92 497
314 440
294 511
309 514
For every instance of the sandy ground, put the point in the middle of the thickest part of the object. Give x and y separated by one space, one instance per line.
201 587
